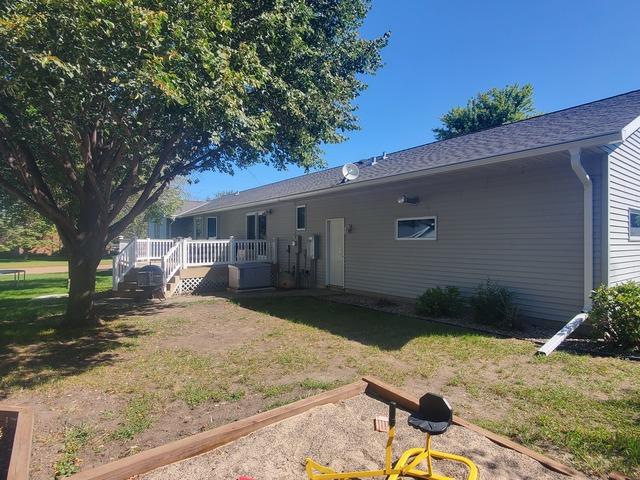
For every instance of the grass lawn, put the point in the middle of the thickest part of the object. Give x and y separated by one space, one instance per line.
24 319
164 371
38 262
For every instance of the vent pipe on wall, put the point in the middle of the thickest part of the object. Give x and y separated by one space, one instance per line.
583 176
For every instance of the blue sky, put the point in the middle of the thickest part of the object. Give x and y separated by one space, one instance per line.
442 52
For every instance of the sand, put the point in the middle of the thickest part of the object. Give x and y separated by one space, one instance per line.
341 435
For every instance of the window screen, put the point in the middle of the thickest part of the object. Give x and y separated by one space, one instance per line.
634 223
416 228
301 217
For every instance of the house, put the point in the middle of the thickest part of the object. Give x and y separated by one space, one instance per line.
548 207
163 228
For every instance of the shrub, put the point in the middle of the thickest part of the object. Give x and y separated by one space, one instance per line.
493 304
615 315
441 302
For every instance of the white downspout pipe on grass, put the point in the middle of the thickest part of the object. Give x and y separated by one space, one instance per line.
583 176
575 322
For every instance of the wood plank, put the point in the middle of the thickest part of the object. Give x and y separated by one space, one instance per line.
21 450
196 444
409 402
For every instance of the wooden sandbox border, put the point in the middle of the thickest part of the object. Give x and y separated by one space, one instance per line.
182 449
21 448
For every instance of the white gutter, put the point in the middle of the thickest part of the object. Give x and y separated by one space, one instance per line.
576 165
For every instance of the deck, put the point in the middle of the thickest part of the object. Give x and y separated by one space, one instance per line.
188 258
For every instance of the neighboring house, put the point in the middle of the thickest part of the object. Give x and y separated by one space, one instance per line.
548 207
167 227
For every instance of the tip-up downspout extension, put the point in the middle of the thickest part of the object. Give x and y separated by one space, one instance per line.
575 322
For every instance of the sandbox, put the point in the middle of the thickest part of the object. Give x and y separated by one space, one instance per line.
341 436
336 429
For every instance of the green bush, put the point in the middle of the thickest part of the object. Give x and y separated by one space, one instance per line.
493 304
441 302
615 315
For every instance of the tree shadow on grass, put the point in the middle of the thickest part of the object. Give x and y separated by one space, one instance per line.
369 327
35 348
33 312
60 356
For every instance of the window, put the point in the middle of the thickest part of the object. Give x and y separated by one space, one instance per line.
212 227
251 226
634 224
262 227
416 228
301 217
256 226
197 228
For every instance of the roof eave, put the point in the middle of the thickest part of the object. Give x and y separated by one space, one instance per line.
605 139
630 128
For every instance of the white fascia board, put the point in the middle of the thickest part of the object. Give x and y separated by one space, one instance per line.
630 128
583 143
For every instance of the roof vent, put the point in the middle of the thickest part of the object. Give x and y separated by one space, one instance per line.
384 155
374 160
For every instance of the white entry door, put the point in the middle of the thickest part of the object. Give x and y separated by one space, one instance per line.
335 252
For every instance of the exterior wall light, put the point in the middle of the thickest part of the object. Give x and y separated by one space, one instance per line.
409 200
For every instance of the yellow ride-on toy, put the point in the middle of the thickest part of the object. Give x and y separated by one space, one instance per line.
434 417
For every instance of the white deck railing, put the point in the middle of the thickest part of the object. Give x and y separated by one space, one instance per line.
206 252
152 248
123 262
172 262
174 255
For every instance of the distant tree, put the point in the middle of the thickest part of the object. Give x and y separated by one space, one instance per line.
488 109
167 204
22 229
223 193
103 103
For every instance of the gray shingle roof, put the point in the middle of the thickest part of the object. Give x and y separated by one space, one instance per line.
189 205
602 117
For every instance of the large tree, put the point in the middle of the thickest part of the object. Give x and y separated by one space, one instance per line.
492 108
102 101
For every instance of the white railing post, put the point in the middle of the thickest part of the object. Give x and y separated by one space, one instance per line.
232 250
185 252
134 255
114 273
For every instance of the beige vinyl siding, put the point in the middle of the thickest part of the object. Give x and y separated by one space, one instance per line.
624 193
519 227
519 224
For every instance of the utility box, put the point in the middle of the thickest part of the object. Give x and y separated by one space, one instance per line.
245 276
313 247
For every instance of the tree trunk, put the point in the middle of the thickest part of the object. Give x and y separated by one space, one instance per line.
83 266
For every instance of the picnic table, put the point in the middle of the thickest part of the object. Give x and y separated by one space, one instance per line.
16 274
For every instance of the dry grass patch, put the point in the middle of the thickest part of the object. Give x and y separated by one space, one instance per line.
173 369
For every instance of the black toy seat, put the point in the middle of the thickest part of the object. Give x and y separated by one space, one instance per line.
434 416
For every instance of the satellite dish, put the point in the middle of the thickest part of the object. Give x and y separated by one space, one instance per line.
350 171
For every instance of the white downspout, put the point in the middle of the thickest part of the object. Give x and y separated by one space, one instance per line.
583 176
